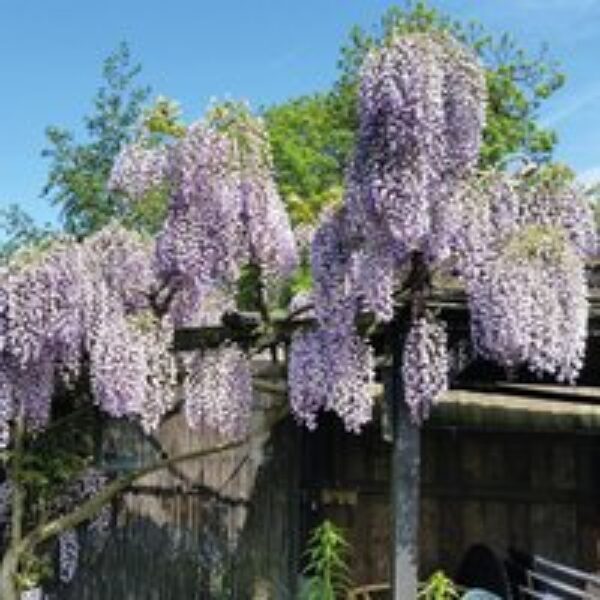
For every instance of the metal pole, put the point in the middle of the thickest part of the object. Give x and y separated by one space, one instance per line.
406 464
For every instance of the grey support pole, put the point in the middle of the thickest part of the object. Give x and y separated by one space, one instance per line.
406 464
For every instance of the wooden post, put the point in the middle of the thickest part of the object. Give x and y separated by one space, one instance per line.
406 465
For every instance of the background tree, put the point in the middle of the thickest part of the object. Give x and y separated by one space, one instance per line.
19 229
311 140
78 171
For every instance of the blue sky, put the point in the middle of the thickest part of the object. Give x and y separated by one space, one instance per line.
51 53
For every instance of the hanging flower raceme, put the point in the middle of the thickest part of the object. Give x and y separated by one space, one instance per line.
85 487
68 555
270 241
42 329
72 303
307 376
43 299
421 113
160 380
350 373
424 366
331 370
476 219
272 245
465 98
125 261
200 245
224 211
519 246
332 264
132 370
7 405
374 276
218 390
564 205
529 306
140 168
331 366
421 110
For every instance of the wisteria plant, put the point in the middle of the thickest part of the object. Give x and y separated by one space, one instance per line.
101 313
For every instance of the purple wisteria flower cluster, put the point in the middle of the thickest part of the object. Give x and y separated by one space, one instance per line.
414 201
86 486
199 245
529 305
424 366
331 366
331 369
98 302
68 555
218 390
74 303
517 244
421 109
140 168
520 248
224 209
69 544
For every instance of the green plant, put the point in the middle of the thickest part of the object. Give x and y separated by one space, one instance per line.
438 587
327 563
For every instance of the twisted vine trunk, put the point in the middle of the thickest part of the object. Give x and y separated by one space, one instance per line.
10 561
8 570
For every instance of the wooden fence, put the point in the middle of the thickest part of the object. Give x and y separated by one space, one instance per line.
220 527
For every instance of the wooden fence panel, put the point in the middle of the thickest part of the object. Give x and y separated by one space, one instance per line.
214 528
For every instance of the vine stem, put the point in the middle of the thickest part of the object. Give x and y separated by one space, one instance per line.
10 562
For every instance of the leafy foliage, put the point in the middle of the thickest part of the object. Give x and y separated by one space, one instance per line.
163 118
79 171
327 563
438 587
312 137
311 141
56 457
20 230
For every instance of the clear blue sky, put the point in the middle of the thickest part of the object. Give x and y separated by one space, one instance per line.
51 53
